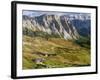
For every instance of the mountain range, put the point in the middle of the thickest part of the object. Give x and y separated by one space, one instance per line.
66 26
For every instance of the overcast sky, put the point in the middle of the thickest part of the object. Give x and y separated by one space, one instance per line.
38 13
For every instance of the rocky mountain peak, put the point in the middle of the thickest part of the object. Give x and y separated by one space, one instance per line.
55 24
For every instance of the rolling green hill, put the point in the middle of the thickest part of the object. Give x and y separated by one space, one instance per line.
39 52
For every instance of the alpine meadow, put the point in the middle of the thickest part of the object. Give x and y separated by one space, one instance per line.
55 39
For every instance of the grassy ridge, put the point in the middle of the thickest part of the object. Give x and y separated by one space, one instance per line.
55 52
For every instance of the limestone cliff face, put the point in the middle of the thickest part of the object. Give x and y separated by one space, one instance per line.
51 24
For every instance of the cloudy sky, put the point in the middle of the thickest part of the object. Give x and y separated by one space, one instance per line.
33 13
38 13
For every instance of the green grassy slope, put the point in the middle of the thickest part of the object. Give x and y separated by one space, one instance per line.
56 53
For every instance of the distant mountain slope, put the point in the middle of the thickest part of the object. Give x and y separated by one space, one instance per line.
82 26
82 23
